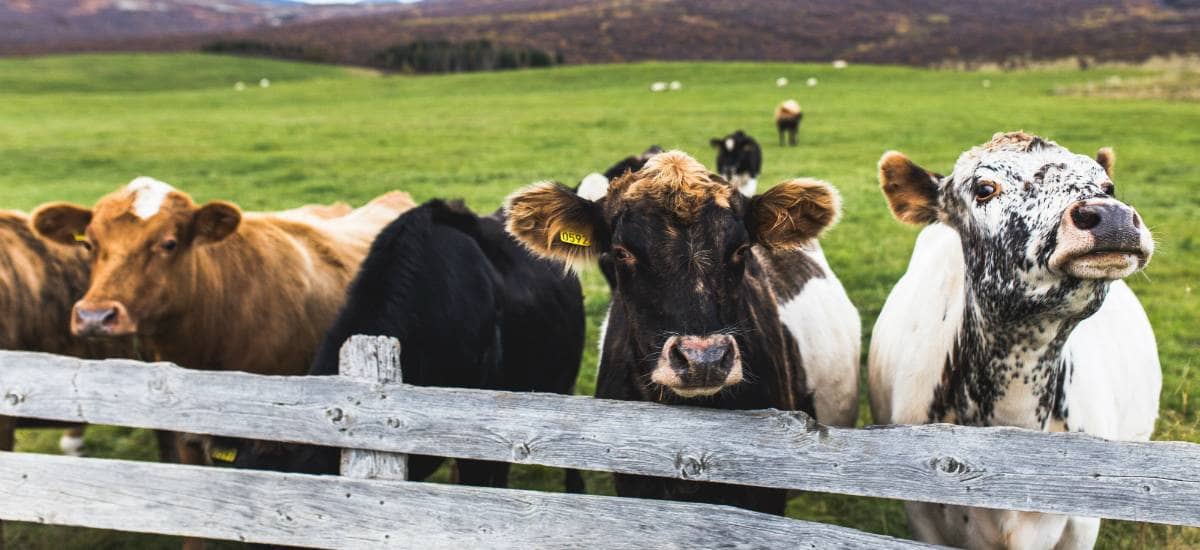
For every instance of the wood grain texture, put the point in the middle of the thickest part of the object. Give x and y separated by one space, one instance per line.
336 512
372 359
992 467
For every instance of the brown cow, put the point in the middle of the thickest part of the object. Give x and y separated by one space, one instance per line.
38 283
210 287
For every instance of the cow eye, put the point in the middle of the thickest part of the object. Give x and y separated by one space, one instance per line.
621 254
87 245
986 191
1109 188
169 244
739 255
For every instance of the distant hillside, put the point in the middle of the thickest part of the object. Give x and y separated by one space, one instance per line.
34 26
918 32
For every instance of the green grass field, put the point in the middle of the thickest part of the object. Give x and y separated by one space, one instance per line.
77 127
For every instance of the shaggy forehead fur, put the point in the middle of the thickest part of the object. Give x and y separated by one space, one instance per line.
675 181
1021 157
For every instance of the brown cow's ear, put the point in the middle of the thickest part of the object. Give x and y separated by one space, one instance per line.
555 223
215 221
61 222
1107 158
911 191
792 213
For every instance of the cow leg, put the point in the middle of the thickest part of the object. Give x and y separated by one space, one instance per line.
483 473
7 436
167 452
71 443
573 480
781 137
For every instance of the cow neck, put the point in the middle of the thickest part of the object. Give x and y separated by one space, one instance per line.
1007 371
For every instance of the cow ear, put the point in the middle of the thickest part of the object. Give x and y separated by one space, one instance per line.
61 222
911 191
214 221
716 143
555 223
792 213
1107 158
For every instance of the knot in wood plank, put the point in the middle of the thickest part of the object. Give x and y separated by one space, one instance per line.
520 451
950 465
335 414
14 398
691 467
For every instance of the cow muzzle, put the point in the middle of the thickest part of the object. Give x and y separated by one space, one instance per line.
697 366
101 319
1101 239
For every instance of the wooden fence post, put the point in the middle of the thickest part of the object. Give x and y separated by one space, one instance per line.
375 359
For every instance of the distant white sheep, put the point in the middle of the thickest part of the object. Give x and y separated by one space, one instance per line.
239 86
840 64
264 83
676 85
812 81
781 81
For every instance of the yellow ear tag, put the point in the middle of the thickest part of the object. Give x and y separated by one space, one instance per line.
223 454
80 237
577 239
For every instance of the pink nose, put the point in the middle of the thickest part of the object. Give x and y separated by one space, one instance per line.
101 318
702 361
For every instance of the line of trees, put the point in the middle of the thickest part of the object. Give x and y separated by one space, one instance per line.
262 49
440 56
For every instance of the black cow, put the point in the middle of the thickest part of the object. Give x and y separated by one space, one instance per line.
739 160
712 292
471 308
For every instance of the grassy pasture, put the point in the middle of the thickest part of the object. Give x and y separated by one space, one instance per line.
74 128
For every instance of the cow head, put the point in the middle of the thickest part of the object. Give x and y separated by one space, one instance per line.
1041 227
142 240
682 246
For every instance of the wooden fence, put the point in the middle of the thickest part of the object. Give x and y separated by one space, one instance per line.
369 410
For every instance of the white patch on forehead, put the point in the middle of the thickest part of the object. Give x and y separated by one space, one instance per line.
148 196
729 144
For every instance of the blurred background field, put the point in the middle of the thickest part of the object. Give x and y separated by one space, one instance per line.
76 127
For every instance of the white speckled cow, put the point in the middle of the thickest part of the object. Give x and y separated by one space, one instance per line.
1012 313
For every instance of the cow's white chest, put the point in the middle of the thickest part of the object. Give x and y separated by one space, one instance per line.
746 184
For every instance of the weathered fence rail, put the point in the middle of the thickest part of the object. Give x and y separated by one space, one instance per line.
992 467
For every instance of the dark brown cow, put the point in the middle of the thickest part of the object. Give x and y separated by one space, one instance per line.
209 287
718 299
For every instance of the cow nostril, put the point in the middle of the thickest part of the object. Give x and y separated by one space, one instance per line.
1137 222
679 360
1086 217
110 316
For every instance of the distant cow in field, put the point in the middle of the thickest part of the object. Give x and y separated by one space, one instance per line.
471 308
787 121
595 185
210 287
1013 313
739 161
718 300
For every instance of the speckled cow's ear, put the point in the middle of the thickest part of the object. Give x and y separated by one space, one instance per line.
911 191
1107 158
